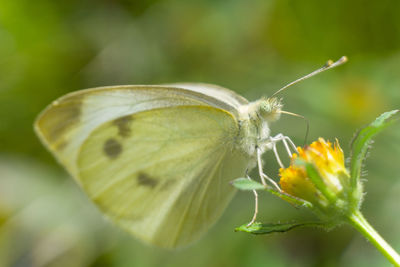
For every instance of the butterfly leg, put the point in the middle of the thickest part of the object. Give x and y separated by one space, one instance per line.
277 155
256 206
272 142
287 142
263 176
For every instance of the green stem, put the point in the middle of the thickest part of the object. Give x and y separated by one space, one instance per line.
358 221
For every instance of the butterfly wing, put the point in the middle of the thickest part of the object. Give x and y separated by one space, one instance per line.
166 179
222 94
173 211
68 121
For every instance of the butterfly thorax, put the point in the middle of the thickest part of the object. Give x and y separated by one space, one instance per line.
254 123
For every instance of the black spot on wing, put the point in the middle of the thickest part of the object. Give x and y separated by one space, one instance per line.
146 180
123 125
112 148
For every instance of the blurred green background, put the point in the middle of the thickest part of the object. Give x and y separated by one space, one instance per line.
49 48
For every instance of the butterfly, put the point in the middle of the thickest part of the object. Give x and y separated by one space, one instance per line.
157 159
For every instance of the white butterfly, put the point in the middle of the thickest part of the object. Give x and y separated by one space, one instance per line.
157 160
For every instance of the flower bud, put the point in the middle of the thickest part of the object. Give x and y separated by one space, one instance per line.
329 188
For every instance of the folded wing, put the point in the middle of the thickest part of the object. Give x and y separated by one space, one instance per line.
165 176
68 121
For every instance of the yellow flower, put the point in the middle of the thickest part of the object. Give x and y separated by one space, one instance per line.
329 162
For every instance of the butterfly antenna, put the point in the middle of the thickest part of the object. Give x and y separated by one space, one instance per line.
299 116
329 65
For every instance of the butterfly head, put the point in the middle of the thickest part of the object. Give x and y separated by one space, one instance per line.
269 109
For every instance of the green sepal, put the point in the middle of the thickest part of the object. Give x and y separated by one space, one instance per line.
362 140
269 228
291 199
247 184
316 179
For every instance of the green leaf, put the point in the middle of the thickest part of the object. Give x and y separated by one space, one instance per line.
268 228
246 184
362 140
